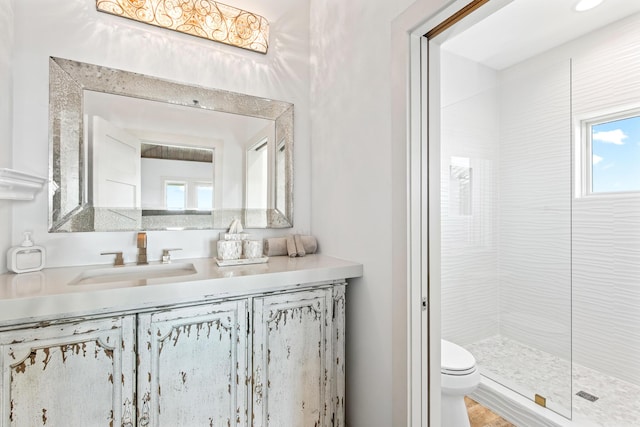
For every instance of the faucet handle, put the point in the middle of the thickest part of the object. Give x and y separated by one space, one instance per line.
141 240
119 261
166 256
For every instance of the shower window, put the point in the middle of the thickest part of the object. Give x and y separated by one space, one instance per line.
611 163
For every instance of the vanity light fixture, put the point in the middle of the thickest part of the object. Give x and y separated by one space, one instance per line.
584 5
202 18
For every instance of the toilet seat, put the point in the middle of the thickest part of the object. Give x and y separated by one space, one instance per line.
455 360
459 377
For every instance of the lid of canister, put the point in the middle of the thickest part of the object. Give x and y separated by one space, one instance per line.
456 360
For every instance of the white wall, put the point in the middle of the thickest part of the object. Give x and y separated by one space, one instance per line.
360 63
75 30
6 55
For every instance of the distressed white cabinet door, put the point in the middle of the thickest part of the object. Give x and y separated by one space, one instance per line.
72 374
193 366
292 367
338 372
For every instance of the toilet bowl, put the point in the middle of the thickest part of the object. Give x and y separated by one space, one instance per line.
459 376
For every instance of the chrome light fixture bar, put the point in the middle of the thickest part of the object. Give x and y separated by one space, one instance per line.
202 18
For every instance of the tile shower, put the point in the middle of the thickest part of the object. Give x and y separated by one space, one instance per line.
540 284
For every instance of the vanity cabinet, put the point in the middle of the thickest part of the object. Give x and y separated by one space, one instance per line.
68 374
295 363
273 359
193 366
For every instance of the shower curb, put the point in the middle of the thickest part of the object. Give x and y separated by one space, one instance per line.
519 410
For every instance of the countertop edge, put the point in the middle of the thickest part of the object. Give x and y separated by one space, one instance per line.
218 283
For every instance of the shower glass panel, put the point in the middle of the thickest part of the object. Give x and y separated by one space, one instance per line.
506 201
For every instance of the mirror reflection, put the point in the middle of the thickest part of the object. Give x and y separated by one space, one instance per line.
143 153
189 186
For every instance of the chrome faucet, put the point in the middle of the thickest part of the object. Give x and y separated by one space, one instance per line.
142 249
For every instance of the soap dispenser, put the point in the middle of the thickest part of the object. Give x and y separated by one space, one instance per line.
26 257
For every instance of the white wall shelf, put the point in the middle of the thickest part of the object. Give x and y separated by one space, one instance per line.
16 185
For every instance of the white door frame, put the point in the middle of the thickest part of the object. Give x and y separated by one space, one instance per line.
424 300
418 352
423 231
424 244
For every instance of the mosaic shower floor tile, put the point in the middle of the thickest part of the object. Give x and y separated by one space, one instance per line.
530 371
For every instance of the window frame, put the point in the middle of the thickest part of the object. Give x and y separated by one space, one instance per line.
584 150
190 193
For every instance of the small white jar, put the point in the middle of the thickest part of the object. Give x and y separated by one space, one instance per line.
229 249
252 248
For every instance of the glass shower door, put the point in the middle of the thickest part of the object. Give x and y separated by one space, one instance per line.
506 194
534 211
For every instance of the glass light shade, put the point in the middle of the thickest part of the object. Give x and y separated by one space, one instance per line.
584 5
202 18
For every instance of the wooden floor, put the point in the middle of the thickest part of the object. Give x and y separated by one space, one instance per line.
479 416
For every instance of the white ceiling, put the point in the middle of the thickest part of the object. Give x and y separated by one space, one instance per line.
524 28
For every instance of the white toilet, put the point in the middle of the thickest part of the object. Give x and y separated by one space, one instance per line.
459 376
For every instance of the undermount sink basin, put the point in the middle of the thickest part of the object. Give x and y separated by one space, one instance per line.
133 273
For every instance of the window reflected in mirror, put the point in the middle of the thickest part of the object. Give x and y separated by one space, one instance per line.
175 196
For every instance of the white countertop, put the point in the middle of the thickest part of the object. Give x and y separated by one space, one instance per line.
51 293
